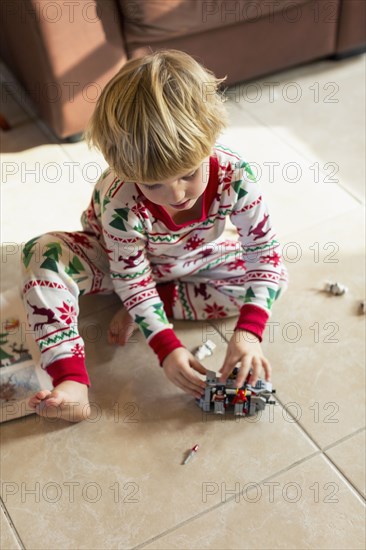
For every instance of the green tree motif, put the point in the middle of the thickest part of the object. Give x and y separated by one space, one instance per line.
272 296
52 256
96 197
75 267
106 201
28 251
237 186
143 325
249 295
139 228
159 312
248 170
120 216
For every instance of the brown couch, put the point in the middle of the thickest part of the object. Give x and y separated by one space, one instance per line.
64 52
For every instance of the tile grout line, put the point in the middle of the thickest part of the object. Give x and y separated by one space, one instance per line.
347 481
220 504
231 499
302 155
11 525
331 445
314 442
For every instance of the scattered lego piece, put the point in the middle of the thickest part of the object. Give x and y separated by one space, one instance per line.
337 289
363 307
192 452
206 350
221 398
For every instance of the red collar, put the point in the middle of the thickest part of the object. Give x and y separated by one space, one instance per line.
209 194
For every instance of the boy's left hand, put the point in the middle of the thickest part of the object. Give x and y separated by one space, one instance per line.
244 348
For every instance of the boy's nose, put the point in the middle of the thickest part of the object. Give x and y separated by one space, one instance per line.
177 195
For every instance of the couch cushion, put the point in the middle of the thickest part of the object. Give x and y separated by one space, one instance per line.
149 21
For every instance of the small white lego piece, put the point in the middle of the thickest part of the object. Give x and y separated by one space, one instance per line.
206 350
337 289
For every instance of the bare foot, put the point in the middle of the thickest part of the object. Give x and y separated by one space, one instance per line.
68 400
121 328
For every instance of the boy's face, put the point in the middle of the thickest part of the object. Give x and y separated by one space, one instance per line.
182 192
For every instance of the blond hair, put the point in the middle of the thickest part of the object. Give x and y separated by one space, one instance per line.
158 117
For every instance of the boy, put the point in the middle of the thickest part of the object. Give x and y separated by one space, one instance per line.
152 234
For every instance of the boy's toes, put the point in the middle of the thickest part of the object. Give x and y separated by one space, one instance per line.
54 399
38 397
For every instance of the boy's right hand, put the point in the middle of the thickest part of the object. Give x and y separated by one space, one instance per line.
179 367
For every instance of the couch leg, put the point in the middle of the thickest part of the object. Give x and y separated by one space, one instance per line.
347 54
4 124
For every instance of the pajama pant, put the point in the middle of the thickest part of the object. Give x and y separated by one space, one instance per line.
58 267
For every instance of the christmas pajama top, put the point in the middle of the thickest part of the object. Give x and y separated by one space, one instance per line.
141 240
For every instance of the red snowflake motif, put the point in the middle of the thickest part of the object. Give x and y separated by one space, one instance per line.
227 187
227 173
78 351
236 264
193 243
68 313
81 239
274 259
227 176
139 209
215 311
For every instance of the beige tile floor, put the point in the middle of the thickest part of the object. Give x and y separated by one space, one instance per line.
291 478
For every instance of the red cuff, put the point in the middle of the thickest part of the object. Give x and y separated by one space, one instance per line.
68 368
164 342
253 319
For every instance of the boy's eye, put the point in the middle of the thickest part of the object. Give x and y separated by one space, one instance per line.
190 175
155 186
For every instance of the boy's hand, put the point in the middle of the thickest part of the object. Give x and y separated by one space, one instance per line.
244 348
179 367
121 328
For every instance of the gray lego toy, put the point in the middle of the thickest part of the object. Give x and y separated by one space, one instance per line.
221 398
